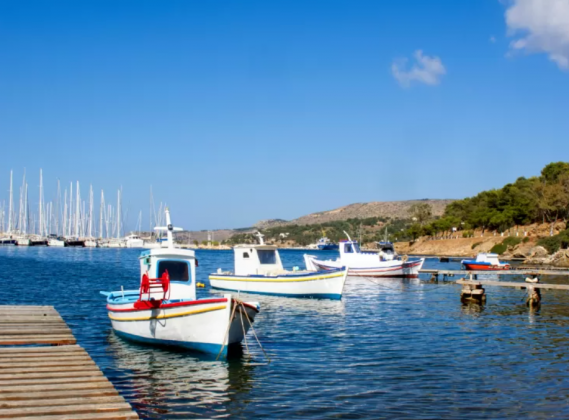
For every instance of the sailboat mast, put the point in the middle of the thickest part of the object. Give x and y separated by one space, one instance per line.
101 211
119 214
70 209
57 214
10 207
41 227
90 211
77 210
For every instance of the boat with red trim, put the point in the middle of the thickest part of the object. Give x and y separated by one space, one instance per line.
165 309
486 262
367 264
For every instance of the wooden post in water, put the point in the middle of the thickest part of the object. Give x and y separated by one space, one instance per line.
473 293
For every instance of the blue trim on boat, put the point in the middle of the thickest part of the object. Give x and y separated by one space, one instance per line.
328 247
333 296
475 262
201 347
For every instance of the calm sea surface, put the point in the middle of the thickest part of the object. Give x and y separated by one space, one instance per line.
390 349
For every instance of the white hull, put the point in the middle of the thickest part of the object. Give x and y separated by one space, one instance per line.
312 284
135 243
198 325
23 242
394 268
56 243
91 243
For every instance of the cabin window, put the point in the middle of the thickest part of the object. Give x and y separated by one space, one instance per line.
245 255
348 249
177 270
267 256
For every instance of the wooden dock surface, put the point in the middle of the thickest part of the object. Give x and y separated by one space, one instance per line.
517 284
524 272
44 375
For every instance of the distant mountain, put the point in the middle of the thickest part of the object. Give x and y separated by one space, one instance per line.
391 209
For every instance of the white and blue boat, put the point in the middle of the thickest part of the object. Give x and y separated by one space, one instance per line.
324 244
259 269
165 309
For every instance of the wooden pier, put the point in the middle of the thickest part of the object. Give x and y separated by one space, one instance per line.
45 375
521 272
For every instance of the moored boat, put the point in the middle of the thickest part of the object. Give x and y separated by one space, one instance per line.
367 264
259 269
485 262
166 311
324 244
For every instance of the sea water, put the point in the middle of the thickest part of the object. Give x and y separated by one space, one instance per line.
390 348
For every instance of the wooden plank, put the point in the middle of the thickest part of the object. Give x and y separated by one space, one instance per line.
48 369
48 375
30 331
38 311
54 363
71 388
53 380
523 272
517 284
46 358
22 396
61 401
119 415
12 413
27 319
31 340
21 351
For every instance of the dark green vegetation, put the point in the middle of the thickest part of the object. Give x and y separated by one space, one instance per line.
509 242
555 243
542 199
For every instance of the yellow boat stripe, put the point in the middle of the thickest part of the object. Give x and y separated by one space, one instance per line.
165 316
276 279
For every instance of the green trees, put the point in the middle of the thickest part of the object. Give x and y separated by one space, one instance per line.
527 200
421 212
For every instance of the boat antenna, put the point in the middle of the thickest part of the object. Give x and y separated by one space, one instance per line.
260 236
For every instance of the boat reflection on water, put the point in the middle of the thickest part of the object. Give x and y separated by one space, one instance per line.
162 383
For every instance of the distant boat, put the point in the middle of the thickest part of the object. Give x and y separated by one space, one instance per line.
486 262
259 269
74 242
367 264
324 244
386 251
56 241
134 241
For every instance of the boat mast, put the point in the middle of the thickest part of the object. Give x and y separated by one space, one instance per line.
101 211
64 230
57 215
41 227
70 209
77 210
90 211
10 207
119 214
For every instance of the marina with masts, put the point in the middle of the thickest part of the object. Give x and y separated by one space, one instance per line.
67 220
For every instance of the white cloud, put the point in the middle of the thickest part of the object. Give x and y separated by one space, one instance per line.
540 26
425 69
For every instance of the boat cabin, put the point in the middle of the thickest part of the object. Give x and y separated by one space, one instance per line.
180 264
257 259
349 247
488 258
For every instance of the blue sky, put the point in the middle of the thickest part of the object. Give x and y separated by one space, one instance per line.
236 111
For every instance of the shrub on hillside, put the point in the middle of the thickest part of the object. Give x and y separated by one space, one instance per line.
525 240
499 249
474 245
512 241
555 243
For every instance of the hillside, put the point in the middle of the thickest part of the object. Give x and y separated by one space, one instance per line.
382 209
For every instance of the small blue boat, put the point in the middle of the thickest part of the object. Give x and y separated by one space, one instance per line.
324 244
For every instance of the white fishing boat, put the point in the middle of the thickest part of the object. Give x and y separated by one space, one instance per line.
367 264
259 269
165 309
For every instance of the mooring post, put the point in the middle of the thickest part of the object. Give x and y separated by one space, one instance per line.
473 293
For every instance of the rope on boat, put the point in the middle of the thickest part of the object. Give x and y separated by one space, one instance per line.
253 329
226 337
244 334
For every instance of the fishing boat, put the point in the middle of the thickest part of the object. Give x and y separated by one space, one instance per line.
324 244
259 269
486 262
386 251
165 309
367 264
